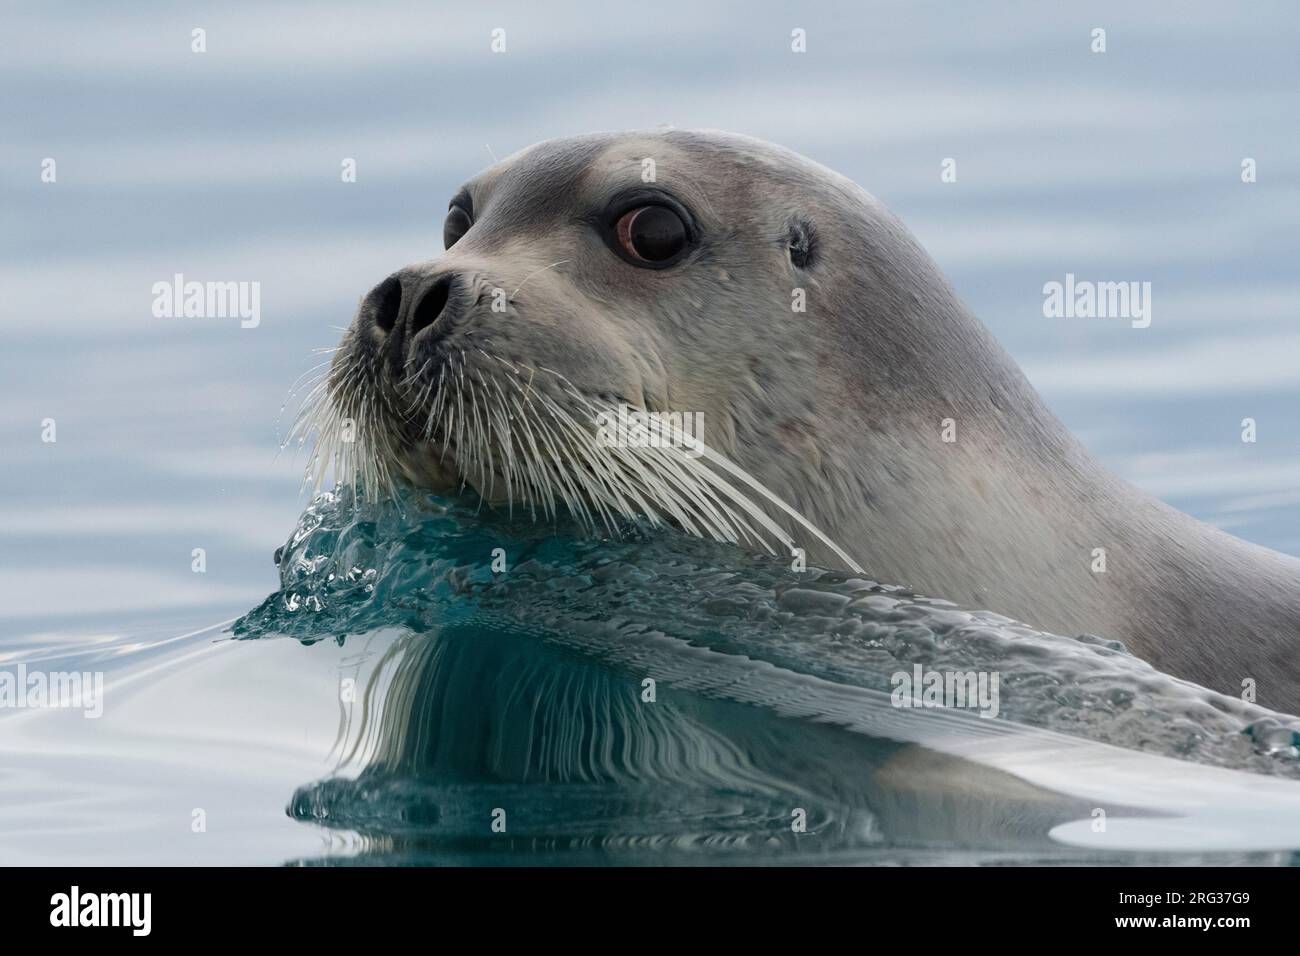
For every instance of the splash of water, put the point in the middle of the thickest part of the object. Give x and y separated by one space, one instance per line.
422 563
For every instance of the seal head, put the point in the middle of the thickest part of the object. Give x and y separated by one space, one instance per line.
840 382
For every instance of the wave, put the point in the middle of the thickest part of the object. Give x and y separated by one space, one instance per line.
656 689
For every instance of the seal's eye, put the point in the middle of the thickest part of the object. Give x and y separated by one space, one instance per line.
457 224
652 235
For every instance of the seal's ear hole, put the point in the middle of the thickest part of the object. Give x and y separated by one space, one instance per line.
801 239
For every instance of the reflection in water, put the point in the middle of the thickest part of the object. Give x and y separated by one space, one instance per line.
463 724
521 699
460 725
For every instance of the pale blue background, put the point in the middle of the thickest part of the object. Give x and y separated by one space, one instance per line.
225 166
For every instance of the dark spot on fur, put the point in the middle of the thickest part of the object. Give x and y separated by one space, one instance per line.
793 432
802 240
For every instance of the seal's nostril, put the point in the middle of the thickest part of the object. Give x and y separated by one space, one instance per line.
430 305
384 302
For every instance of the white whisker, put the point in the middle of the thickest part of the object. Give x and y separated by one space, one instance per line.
538 436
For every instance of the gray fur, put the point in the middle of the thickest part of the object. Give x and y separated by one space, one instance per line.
838 410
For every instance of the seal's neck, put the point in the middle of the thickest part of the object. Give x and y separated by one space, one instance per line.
992 505
968 488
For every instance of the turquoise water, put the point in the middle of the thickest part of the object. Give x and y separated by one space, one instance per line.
397 697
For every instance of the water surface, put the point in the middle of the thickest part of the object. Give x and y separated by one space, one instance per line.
397 696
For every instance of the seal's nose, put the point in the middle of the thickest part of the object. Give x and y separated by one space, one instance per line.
405 304
384 303
431 304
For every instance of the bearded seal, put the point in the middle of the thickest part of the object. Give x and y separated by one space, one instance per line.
702 272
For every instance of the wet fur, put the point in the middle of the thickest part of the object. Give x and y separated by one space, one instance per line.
838 411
